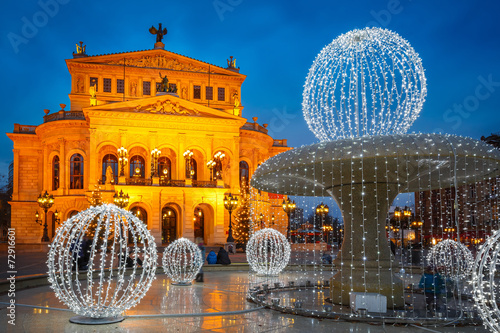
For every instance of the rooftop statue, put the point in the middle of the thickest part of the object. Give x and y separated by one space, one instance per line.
158 32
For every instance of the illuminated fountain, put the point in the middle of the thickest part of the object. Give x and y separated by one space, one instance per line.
362 94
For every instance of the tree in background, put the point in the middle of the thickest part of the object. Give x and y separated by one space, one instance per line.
241 226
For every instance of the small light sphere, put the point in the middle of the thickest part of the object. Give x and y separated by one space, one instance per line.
268 252
451 259
365 82
182 260
485 282
94 261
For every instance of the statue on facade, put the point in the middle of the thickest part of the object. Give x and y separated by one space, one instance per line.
158 32
110 179
165 86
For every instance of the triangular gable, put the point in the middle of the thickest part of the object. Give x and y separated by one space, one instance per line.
157 59
167 104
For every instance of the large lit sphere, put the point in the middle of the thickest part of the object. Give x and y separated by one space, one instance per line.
365 82
182 260
107 287
268 252
451 259
485 285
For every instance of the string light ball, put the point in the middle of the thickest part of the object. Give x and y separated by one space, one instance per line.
451 259
365 82
182 260
268 252
106 287
485 282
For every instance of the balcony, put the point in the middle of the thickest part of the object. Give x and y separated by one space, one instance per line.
24 129
64 115
172 183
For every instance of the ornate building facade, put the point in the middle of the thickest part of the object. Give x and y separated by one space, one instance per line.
123 100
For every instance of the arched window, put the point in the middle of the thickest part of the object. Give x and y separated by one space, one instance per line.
142 215
55 173
191 169
244 171
165 168
111 161
169 225
137 167
76 172
199 223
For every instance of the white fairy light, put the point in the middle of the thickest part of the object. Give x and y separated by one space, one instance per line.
182 260
485 282
107 287
366 82
268 252
451 259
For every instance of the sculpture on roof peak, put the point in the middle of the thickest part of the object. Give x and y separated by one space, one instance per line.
158 32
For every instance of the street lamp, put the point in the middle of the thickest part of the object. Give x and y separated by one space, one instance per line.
230 203
121 199
322 210
272 220
188 155
289 207
155 154
45 201
261 219
122 159
210 165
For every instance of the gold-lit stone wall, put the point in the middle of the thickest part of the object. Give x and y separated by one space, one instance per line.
172 123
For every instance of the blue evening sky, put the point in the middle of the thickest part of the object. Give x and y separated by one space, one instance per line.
274 43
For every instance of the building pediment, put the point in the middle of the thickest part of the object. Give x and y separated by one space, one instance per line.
165 104
155 59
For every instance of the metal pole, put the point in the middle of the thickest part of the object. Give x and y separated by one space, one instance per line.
45 237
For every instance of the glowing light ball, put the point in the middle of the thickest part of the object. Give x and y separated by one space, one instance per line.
365 82
451 259
87 263
268 252
182 260
485 282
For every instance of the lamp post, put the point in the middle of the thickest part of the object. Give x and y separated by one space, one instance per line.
121 199
188 155
322 210
261 219
230 203
45 201
210 166
289 207
417 225
155 154
122 159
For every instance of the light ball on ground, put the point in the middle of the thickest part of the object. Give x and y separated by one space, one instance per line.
268 252
485 282
182 260
451 259
106 287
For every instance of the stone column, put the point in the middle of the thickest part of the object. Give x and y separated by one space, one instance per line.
365 262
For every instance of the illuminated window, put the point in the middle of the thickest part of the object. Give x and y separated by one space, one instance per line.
164 168
137 167
169 225
55 173
76 172
244 171
112 161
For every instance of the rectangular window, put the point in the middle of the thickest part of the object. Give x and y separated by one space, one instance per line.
106 85
93 82
197 92
120 86
146 88
209 92
221 94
